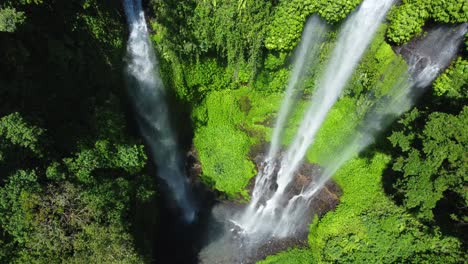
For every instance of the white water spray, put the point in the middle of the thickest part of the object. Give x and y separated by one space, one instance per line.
147 92
353 40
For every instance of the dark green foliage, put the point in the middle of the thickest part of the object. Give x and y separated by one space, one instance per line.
14 130
233 30
63 223
46 215
70 171
433 162
106 155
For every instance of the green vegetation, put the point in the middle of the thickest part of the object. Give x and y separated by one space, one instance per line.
74 176
368 227
297 256
289 18
10 19
433 162
71 172
452 83
408 19
228 125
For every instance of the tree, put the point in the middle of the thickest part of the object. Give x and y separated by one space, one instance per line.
10 19
433 162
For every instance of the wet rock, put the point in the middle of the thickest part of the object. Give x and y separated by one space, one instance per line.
193 165
325 200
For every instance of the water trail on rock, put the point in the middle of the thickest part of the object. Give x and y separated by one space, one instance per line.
426 58
353 40
149 98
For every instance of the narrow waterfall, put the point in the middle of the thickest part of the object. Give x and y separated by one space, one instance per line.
426 59
149 98
352 42
305 59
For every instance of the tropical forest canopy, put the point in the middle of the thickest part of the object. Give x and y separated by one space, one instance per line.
75 176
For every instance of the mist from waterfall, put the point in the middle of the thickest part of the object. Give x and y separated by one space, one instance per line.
426 59
150 102
353 39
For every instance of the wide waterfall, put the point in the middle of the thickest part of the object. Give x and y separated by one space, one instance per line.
149 98
352 41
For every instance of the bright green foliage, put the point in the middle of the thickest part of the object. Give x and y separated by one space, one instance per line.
227 126
453 82
343 118
433 162
289 17
223 149
296 256
272 81
367 227
15 130
10 19
334 11
379 70
449 11
224 158
407 20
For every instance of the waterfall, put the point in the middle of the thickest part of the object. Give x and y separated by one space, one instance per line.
426 59
305 59
147 92
353 39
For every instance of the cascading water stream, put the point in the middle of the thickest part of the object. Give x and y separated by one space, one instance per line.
305 59
353 40
147 92
431 55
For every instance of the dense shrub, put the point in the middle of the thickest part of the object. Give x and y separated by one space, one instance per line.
407 19
289 17
454 81
432 161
